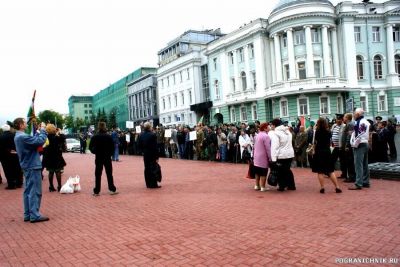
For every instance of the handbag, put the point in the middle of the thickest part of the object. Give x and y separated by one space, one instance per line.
311 147
298 151
273 178
245 155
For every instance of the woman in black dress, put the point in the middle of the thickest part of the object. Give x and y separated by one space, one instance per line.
52 157
322 162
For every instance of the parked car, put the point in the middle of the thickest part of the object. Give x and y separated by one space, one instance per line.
72 145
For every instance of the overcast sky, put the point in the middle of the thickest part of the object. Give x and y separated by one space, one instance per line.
61 48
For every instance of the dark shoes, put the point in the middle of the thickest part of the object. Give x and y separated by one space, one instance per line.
10 187
355 188
52 189
366 185
41 219
155 187
338 190
322 190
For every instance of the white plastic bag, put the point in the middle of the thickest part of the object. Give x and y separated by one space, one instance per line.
75 183
67 188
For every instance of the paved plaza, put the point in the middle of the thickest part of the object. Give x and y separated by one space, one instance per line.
205 214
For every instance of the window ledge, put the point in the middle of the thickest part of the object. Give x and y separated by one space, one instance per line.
362 80
381 79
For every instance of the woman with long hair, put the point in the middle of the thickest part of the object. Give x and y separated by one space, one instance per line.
322 159
53 160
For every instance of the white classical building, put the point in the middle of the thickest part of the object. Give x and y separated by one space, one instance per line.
182 81
311 59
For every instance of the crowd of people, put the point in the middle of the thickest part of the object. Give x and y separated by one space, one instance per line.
273 147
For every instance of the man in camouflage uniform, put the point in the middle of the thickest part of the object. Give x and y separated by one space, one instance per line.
199 143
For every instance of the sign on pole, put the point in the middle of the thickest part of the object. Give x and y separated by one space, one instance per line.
129 124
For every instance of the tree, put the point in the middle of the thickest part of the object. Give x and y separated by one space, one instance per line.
112 119
92 120
69 122
98 117
104 116
52 117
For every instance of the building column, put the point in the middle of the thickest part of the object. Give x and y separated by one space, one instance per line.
278 59
273 60
247 64
235 70
309 50
261 66
325 51
335 53
290 48
224 87
390 48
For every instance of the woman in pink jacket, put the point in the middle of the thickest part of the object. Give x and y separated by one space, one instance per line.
262 157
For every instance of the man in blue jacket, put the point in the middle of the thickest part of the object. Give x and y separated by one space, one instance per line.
114 136
29 159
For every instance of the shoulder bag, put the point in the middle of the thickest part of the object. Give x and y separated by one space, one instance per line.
311 147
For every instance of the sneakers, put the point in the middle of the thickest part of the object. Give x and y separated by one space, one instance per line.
263 189
256 187
114 192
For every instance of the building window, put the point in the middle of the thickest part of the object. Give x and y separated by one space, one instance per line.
363 103
339 105
254 112
169 118
169 102
357 34
254 80
182 117
163 120
381 102
396 34
377 67
86 117
188 74
251 51
216 85
241 55
243 113
360 68
314 36
323 104
215 63
284 109
299 35
190 118
86 112
397 64
302 70
190 97
167 81
284 42
231 58
175 100
233 115
163 103
376 36
287 72
90 105
85 105
182 98
162 83
233 85
173 77
180 74
303 106
317 69
243 77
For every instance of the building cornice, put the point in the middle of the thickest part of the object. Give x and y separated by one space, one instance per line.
298 16
179 66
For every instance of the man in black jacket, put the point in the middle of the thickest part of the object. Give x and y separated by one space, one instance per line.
9 159
147 142
102 145
212 143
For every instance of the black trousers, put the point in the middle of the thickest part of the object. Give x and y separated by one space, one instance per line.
350 163
189 150
392 146
285 174
106 162
234 153
12 170
149 177
339 154
161 150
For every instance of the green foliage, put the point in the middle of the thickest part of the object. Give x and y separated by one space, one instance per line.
104 116
112 120
69 122
51 116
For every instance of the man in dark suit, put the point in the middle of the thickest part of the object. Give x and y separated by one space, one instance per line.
147 142
9 158
102 145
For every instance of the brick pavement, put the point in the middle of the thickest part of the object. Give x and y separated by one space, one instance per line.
206 214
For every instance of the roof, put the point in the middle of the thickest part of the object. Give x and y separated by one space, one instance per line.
285 3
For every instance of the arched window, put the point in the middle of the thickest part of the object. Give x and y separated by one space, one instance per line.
360 68
243 77
397 64
216 85
378 67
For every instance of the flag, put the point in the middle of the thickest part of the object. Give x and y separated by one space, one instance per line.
31 117
305 122
201 120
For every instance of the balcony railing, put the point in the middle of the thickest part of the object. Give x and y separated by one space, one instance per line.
307 83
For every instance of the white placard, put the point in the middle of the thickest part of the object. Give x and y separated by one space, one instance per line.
193 135
138 129
127 138
397 102
167 133
129 124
